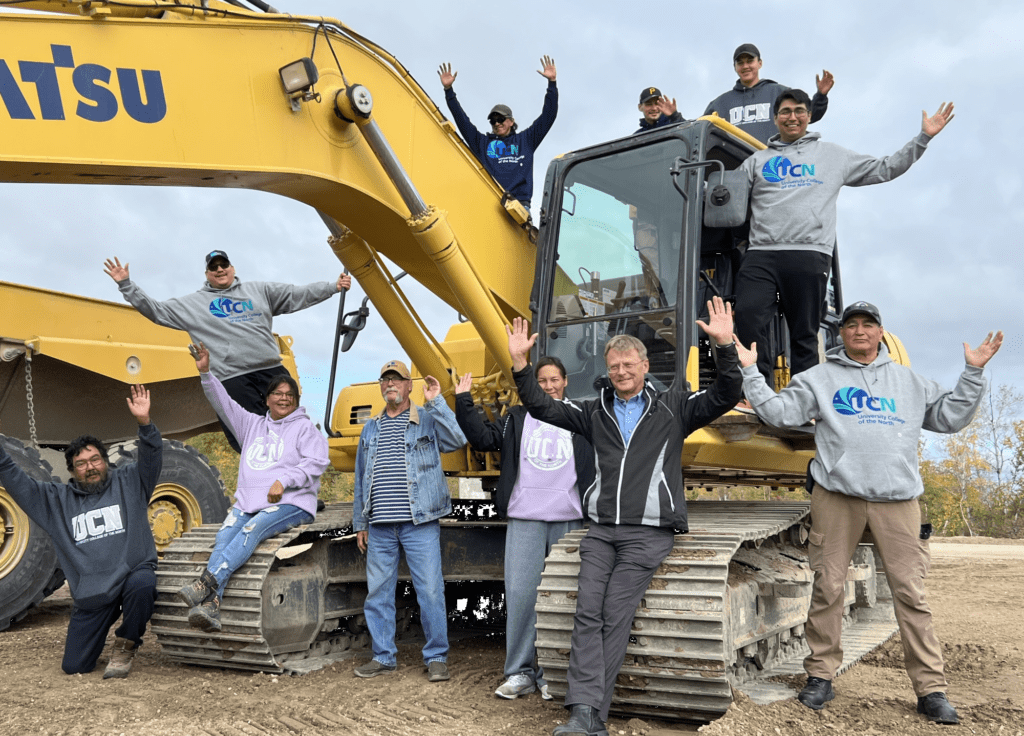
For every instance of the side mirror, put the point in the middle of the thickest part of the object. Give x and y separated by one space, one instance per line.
725 203
354 323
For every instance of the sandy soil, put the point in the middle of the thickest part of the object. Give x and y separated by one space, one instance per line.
977 593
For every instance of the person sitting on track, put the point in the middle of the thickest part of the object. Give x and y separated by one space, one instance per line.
283 457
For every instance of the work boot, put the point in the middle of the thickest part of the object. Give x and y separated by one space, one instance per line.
198 590
437 672
121 657
816 693
936 708
583 721
206 616
374 668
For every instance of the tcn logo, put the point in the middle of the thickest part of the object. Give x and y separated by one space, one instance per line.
498 149
225 307
778 168
92 83
851 401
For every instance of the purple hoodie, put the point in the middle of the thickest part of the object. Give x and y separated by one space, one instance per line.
290 450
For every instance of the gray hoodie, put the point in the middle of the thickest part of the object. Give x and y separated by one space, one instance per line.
794 188
868 419
236 323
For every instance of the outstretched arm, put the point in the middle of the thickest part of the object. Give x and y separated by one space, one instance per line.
151 446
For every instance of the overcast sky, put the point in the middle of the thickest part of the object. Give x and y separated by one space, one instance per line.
938 250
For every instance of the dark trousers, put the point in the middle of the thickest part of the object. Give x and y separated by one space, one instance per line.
800 278
249 391
87 630
616 566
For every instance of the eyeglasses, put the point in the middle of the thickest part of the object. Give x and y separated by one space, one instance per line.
622 368
96 462
786 112
389 380
282 395
497 119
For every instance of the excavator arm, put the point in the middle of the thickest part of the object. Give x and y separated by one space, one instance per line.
160 93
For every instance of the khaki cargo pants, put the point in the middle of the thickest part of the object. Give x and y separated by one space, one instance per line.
837 524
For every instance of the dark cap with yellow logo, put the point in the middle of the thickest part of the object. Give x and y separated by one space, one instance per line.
648 93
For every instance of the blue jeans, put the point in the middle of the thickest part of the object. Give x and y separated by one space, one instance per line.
242 533
422 545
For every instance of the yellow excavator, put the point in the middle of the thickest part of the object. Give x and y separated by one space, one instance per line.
633 236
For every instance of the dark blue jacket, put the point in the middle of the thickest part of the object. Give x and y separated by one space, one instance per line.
675 117
752 109
100 537
510 159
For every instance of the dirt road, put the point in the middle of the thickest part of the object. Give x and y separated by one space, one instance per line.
977 594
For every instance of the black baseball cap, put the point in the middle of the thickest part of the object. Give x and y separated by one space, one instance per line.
862 308
217 254
745 49
649 92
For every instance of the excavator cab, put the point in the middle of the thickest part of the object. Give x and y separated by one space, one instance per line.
623 248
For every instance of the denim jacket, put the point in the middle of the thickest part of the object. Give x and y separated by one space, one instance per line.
431 431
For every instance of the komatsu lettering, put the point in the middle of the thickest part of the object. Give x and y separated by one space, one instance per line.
99 102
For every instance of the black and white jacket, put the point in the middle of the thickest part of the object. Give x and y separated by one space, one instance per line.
640 483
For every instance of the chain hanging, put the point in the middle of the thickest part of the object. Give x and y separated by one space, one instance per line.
30 400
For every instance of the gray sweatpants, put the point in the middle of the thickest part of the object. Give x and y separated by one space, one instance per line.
527 543
616 566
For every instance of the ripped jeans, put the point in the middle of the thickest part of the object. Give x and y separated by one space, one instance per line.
242 533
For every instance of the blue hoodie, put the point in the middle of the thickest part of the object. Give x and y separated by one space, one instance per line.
510 159
100 537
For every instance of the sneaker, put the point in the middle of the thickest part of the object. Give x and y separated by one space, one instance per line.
206 616
816 693
438 672
374 668
516 685
936 708
121 657
544 692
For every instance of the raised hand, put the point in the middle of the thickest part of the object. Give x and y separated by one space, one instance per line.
138 403
465 383
431 388
447 75
747 357
275 492
825 82
519 342
548 72
202 357
115 270
719 324
344 282
667 106
933 125
984 352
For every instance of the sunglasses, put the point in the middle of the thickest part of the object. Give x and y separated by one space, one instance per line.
497 119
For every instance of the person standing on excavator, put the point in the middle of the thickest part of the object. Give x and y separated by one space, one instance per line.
749 104
505 152
637 503
869 413
657 110
234 319
99 524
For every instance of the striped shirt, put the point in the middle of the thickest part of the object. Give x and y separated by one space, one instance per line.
389 493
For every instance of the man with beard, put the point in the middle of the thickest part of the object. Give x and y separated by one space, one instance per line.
99 526
400 495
